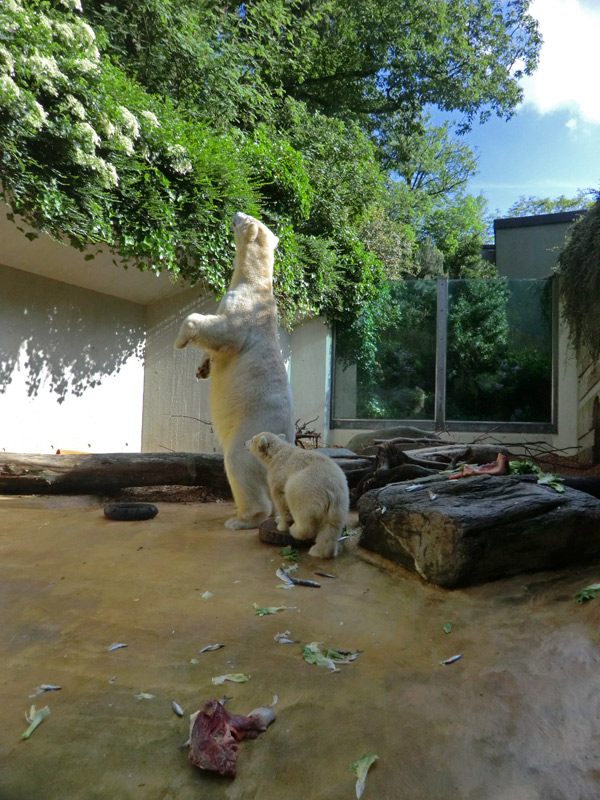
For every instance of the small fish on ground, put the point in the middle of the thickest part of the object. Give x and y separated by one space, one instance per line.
45 687
413 487
451 660
284 638
325 575
144 696
210 647
177 708
116 646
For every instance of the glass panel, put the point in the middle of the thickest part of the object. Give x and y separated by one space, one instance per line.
385 362
499 361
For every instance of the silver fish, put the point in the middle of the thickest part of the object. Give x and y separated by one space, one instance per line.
451 660
211 647
177 708
45 687
116 646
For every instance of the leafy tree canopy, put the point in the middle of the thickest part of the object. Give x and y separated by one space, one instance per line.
531 206
579 271
146 123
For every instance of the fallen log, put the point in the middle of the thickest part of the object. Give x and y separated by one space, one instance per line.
106 472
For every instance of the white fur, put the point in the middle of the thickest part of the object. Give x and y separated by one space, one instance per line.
249 390
309 490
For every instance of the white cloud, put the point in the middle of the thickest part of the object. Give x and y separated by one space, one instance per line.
567 76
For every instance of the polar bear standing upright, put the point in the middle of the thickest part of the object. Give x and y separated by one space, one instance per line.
249 391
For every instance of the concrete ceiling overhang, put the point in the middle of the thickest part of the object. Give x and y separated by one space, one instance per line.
46 257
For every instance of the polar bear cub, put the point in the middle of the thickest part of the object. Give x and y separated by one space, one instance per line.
309 490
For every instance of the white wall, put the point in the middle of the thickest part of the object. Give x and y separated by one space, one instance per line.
310 374
71 367
174 399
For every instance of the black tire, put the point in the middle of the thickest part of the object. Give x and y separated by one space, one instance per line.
130 511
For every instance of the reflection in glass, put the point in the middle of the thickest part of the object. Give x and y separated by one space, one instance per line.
499 358
386 370
498 353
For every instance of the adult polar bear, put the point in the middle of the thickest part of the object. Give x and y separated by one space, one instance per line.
249 391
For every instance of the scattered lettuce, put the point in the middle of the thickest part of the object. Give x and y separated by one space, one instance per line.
589 593
447 627
544 478
262 612
289 553
313 654
35 718
234 677
360 769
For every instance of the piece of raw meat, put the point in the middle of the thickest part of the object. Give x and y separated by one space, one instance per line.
215 733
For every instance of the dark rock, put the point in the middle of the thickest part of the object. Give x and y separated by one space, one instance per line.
481 528
362 443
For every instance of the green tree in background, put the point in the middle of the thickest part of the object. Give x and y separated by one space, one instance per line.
145 124
579 271
531 206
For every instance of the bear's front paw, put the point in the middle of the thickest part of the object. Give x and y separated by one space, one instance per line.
203 370
188 330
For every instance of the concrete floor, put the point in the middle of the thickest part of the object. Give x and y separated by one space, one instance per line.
517 718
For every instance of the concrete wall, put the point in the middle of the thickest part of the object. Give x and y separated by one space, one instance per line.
71 367
176 407
588 422
528 247
175 401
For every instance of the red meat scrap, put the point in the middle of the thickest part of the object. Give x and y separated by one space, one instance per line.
497 467
215 733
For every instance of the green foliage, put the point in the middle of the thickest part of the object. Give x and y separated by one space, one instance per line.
589 593
531 206
148 130
579 273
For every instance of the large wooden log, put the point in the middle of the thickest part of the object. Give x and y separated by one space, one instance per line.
22 473
106 472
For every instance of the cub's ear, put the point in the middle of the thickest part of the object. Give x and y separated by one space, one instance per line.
281 436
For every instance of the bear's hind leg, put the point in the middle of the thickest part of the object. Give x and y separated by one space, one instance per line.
331 528
248 481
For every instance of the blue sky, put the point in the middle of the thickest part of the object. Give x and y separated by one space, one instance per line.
551 147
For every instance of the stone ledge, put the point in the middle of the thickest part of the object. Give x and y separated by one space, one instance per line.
479 529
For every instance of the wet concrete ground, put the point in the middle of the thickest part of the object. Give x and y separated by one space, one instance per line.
516 718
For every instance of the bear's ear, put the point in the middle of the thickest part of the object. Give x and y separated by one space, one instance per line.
281 436
252 231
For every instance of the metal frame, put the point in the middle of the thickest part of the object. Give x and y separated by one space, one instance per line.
440 423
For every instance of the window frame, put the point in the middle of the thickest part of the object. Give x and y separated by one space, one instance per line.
439 423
